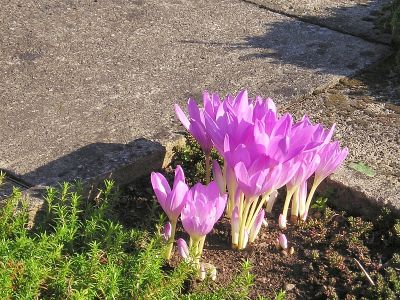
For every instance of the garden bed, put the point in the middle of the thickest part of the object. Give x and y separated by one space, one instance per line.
322 263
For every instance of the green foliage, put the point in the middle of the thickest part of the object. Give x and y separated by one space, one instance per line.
395 22
192 160
320 204
359 228
390 23
281 295
82 252
387 286
362 168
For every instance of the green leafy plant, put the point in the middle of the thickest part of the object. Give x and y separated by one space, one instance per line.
320 204
81 251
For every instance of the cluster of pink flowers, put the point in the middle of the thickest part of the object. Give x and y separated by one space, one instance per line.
199 207
263 152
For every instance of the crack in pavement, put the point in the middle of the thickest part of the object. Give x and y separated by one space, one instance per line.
313 21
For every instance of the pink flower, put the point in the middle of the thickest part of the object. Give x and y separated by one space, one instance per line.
204 206
196 122
331 157
252 180
171 201
309 162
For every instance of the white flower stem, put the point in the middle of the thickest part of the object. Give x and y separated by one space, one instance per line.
314 187
260 205
243 219
195 250
289 194
295 206
201 245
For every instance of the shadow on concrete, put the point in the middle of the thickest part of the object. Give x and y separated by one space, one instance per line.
320 49
91 165
95 162
365 19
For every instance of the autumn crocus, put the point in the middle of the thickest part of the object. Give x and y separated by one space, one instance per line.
172 200
204 206
331 157
195 124
309 162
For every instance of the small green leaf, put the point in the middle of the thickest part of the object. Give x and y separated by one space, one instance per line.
362 168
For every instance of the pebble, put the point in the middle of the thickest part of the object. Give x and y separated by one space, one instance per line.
289 287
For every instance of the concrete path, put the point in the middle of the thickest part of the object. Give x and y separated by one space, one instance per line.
87 89
357 17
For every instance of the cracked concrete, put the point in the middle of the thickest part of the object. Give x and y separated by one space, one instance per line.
356 17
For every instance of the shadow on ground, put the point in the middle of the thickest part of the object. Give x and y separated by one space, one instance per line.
323 50
95 162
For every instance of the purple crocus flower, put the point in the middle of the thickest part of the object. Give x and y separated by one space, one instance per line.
251 181
171 201
331 157
195 124
204 206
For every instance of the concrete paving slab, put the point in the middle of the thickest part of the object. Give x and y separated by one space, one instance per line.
370 129
81 81
356 17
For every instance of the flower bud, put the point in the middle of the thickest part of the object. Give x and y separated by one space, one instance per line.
283 241
183 248
166 232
